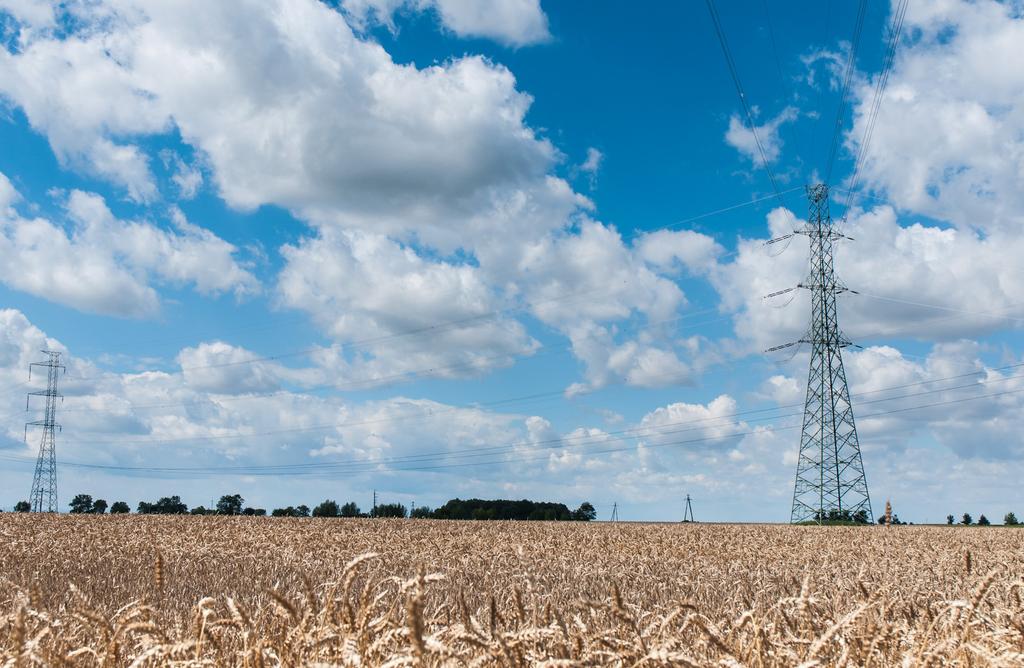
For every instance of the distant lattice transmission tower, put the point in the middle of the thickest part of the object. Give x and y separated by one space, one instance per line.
688 511
830 480
44 482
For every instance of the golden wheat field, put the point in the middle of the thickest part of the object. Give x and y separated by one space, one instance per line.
234 591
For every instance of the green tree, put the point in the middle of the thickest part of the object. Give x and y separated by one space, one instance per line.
254 512
1010 519
421 513
200 510
967 520
350 509
230 504
22 507
300 511
99 506
328 508
119 508
950 519
171 505
82 503
502 509
167 505
983 521
389 510
585 513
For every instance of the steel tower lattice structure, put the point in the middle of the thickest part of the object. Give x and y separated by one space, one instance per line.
44 483
830 480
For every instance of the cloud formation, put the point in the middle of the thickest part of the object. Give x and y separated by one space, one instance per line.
428 195
92 261
743 139
912 281
949 137
511 22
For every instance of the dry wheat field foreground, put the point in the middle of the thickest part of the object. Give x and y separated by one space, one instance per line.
234 591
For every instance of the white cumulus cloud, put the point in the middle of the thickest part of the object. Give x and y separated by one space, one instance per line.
96 262
743 139
511 22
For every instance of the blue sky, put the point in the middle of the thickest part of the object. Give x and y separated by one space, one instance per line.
487 242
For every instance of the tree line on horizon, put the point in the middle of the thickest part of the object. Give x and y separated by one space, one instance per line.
234 504
1010 520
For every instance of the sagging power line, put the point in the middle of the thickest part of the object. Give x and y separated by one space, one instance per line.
748 114
424 461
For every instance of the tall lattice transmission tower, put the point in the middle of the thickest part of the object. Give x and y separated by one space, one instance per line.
44 483
688 511
830 481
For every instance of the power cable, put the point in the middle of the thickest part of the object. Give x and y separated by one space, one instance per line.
635 432
337 425
827 19
375 380
890 55
743 98
417 416
433 329
782 78
375 466
716 212
858 27
908 302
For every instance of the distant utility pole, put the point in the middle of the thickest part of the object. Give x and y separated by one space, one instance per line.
373 513
688 511
615 512
44 483
830 480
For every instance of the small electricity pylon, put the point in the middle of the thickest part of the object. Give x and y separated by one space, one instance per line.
615 512
830 481
688 511
44 483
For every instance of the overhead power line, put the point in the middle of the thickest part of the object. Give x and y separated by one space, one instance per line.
662 430
716 212
786 88
720 32
458 323
851 64
899 13
373 381
374 466
419 415
937 307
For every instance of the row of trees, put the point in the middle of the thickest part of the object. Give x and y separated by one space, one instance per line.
1009 519
456 509
234 504
83 504
481 509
